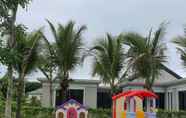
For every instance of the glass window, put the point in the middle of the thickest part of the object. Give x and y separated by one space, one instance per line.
160 102
182 98
77 94
104 100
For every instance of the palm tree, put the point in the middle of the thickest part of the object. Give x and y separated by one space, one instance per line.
8 14
68 47
27 45
147 54
47 64
180 41
109 60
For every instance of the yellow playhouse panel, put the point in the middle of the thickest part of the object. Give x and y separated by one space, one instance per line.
123 114
140 114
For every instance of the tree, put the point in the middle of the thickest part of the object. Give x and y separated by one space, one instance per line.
47 64
27 48
180 41
109 61
147 54
3 86
68 49
8 12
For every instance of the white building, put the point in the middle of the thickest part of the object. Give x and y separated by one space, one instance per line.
170 87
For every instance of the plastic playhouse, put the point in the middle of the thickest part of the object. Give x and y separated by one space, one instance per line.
71 109
129 104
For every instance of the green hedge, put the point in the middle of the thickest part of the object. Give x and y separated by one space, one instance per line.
171 114
39 112
99 113
30 112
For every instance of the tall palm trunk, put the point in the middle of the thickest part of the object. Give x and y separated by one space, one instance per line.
20 89
64 89
148 86
64 86
8 106
51 93
11 45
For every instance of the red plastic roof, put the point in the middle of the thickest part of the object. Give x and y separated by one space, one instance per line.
140 93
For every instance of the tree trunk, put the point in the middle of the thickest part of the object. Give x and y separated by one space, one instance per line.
64 88
51 95
148 87
20 90
8 106
11 44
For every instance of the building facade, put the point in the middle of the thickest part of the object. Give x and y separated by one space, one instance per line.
170 88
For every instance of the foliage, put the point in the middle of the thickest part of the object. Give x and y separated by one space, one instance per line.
171 114
8 10
147 54
68 48
109 58
180 41
68 45
3 87
8 56
46 61
99 113
35 102
27 46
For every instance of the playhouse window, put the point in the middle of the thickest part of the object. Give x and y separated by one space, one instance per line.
82 115
125 105
60 115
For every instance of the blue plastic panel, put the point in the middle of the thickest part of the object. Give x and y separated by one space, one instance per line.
131 115
150 115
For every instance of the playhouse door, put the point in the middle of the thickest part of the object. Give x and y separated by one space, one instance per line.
72 113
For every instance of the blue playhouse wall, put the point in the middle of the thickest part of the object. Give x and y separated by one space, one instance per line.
147 115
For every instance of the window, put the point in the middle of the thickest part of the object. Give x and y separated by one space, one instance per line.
182 98
160 103
104 100
77 94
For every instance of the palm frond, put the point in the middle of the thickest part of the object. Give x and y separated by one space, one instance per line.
52 29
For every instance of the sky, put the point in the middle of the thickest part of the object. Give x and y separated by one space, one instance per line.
112 16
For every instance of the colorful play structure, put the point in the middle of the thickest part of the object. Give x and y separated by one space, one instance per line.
129 104
71 109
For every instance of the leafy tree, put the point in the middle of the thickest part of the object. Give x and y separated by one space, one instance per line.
147 54
3 86
109 60
27 48
8 12
68 49
180 41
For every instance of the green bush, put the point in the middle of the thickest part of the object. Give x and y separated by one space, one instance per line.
30 112
171 114
39 112
99 113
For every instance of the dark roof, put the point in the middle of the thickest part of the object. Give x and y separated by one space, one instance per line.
171 72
